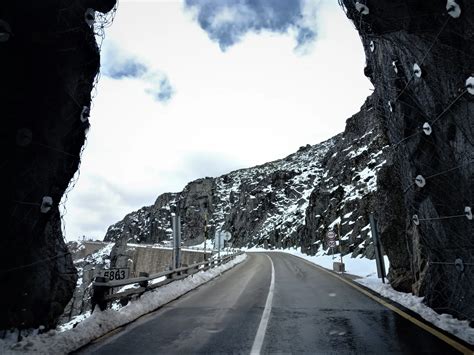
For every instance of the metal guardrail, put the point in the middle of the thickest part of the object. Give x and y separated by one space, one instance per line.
159 246
105 292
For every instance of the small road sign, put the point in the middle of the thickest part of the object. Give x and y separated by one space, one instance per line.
115 274
331 239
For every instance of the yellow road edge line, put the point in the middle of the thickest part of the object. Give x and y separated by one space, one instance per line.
436 333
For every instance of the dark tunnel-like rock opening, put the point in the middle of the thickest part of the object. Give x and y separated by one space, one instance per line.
50 61
419 58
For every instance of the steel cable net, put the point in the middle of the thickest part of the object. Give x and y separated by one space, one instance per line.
79 96
98 22
420 59
50 101
77 115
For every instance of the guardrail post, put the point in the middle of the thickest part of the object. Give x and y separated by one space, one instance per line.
143 283
124 301
98 294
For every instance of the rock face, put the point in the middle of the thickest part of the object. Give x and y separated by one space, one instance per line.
420 58
49 64
88 268
149 224
347 191
253 204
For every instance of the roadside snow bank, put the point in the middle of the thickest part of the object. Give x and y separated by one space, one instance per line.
447 322
100 323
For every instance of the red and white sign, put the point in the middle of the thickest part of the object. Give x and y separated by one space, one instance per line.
331 239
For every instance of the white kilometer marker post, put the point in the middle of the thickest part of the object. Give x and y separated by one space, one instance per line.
262 328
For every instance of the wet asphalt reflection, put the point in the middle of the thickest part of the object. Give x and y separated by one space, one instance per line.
312 313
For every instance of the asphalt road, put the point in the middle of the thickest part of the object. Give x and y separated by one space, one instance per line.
311 312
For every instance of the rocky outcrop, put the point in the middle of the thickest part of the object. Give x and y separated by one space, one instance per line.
88 267
347 192
264 203
50 60
420 60
150 224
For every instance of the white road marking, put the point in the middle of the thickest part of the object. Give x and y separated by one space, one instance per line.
262 328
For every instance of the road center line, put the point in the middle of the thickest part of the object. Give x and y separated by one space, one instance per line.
262 328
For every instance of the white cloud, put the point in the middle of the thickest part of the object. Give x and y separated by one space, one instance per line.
120 65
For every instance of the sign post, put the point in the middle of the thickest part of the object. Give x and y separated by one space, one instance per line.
227 238
205 236
339 238
331 237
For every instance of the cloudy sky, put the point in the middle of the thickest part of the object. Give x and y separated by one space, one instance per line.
199 88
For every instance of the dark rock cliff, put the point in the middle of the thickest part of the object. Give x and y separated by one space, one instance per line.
420 60
50 60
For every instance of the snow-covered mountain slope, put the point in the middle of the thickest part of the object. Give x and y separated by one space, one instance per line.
288 202
255 203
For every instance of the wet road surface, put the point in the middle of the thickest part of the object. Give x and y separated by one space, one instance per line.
311 312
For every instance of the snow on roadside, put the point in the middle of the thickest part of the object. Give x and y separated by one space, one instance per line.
366 269
100 323
360 266
447 322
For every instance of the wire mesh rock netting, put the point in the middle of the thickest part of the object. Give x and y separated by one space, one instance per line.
420 58
50 51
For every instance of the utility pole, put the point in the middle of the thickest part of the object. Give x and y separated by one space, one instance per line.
178 249
205 236
176 226
339 237
378 248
